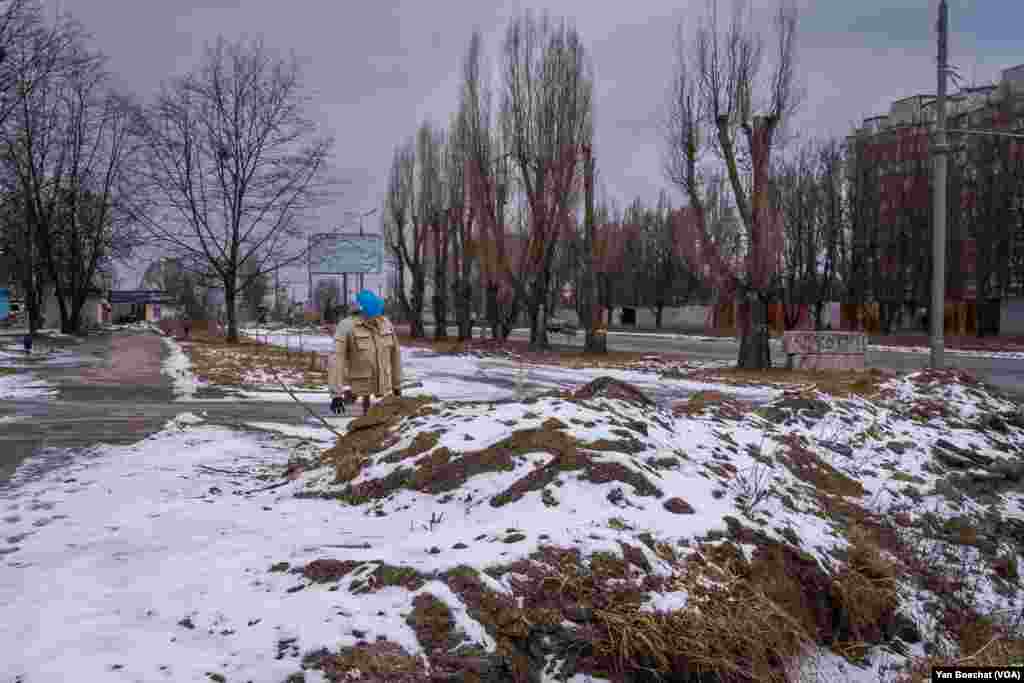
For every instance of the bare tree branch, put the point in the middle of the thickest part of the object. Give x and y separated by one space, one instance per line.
236 167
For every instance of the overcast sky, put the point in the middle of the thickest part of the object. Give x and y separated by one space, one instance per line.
375 69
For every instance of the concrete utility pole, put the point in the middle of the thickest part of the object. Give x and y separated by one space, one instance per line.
939 151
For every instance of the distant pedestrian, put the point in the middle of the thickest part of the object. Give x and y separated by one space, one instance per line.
27 343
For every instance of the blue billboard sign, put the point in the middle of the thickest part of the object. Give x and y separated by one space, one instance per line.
345 253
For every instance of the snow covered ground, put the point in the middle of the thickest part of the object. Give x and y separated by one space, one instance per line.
189 555
25 385
178 368
454 377
22 383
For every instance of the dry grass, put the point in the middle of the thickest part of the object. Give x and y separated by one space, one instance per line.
998 651
837 383
433 623
563 357
378 662
218 362
724 406
731 629
743 621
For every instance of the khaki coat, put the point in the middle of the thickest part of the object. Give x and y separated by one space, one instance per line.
366 357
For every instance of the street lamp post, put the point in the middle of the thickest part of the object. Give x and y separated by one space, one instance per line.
939 152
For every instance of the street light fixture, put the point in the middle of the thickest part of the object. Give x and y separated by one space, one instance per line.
940 150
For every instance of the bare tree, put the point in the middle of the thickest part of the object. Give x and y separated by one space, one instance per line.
462 220
406 234
327 296
807 191
36 58
431 212
73 156
596 340
184 284
234 166
546 115
30 49
662 277
488 178
723 111
259 286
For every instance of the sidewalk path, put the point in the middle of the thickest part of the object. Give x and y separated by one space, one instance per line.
115 394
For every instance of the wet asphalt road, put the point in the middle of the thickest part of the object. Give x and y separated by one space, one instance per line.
1005 373
97 406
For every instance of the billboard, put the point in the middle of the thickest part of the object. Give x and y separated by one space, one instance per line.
141 296
341 253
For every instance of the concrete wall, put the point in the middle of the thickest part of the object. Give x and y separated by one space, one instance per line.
676 317
683 316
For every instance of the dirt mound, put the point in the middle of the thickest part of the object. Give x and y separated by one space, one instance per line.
371 433
444 470
609 387
621 564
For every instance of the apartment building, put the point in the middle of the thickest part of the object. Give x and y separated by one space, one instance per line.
890 165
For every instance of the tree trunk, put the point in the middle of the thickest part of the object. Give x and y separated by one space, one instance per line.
885 317
755 350
462 299
231 306
597 337
508 319
416 328
67 324
492 310
75 318
819 315
33 312
534 315
597 340
538 316
440 298
440 317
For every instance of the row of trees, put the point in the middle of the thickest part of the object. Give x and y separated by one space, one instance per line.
65 161
500 190
218 173
492 197
506 194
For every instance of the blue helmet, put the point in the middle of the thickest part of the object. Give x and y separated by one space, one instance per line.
369 303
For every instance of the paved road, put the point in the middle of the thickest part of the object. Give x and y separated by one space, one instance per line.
1005 373
115 395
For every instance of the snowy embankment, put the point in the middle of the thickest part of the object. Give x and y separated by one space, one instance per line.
558 532
457 376
18 382
178 367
